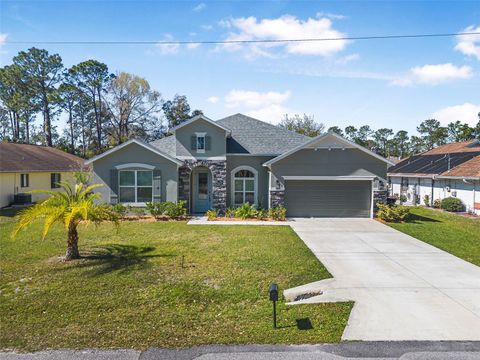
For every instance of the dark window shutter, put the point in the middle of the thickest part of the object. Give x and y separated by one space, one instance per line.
113 186
54 180
208 143
157 185
193 143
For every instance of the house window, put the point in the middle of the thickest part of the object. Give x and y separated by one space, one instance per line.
24 180
135 186
55 178
200 142
244 186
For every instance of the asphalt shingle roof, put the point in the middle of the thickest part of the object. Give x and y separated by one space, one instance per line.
248 136
166 144
470 168
252 136
15 157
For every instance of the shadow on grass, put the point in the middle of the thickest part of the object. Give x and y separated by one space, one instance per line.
416 219
117 258
304 324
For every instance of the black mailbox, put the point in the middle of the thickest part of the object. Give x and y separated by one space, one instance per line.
273 291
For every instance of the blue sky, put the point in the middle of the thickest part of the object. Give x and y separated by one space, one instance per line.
382 83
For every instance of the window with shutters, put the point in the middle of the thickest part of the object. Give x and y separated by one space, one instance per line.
55 178
135 186
201 146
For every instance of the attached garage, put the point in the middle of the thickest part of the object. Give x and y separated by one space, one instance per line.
328 198
328 176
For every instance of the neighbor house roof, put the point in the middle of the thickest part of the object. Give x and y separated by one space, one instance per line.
15 157
255 137
446 159
470 168
456 147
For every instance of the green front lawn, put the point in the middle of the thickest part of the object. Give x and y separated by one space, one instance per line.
455 234
158 284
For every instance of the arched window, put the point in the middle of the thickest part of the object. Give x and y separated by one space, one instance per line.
244 186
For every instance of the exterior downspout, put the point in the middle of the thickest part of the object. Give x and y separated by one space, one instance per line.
432 192
465 181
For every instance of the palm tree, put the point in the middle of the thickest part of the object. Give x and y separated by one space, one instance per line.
76 203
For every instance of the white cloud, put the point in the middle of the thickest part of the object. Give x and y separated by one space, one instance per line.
433 74
469 44
348 58
3 38
284 27
273 113
207 27
467 112
332 16
254 99
213 99
200 7
193 45
168 49
267 106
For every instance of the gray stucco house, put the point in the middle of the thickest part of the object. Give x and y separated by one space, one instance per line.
238 159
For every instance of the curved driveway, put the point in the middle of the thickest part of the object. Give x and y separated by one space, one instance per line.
403 288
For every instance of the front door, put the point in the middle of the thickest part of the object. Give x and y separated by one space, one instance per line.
202 192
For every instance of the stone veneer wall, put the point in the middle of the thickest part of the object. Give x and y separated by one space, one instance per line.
218 168
277 198
379 196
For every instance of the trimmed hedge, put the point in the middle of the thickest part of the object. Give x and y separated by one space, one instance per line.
452 204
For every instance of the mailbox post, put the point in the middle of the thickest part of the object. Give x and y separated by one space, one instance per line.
273 292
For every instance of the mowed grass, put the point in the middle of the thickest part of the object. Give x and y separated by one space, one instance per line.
455 234
158 285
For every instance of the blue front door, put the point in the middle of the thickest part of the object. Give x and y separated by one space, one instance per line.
202 192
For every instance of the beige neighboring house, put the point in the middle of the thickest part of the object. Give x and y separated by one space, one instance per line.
26 167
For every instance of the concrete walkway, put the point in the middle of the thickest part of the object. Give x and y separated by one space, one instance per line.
403 288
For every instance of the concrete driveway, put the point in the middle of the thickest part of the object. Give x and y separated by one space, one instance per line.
403 288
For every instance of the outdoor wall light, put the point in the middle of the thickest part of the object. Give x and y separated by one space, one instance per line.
273 293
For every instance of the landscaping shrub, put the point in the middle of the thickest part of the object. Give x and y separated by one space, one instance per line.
392 213
137 210
277 213
403 198
437 203
246 211
452 204
119 209
211 214
262 214
230 212
168 208
426 200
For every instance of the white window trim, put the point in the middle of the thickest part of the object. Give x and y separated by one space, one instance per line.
27 178
134 165
135 203
204 135
255 183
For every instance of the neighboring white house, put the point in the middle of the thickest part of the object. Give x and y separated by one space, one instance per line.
451 170
26 167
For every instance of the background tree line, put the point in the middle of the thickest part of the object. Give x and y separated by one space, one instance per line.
385 141
101 109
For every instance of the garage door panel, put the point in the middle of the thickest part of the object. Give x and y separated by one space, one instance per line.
318 198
